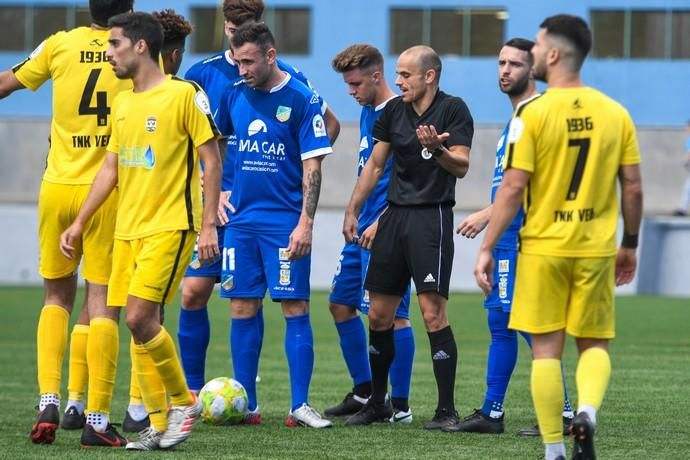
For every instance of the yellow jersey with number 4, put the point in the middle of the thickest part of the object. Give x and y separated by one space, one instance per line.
84 86
155 135
573 141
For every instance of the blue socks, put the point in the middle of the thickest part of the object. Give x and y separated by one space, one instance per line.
299 349
193 336
353 344
401 367
245 342
501 362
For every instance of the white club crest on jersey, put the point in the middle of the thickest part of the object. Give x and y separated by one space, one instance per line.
363 144
256 126
517 126
201 101
38 50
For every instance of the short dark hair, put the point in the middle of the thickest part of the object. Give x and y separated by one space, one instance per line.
575 30
254 32
522 44
359 56
102 10
175 29
140 26
241 11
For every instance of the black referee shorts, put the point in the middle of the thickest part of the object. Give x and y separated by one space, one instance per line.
412 242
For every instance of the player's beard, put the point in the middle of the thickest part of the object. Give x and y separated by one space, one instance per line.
518 87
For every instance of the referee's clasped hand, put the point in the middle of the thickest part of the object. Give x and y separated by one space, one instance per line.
429 138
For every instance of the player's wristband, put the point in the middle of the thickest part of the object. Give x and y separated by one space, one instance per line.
629 241
438 152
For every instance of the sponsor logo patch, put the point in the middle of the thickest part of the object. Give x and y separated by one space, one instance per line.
319 126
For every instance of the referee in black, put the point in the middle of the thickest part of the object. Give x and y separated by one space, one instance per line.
429 133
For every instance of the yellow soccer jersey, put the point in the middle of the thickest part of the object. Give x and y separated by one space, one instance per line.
155 135
84 86
573 142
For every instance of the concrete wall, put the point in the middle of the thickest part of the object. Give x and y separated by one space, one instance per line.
24 146
19 249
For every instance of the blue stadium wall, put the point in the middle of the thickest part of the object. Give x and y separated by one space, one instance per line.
655 91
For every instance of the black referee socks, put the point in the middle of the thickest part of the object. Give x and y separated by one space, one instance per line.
444 355
381 353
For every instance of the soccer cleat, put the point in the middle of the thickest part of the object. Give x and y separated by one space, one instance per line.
72 419
129 425
582 430
403 417
534 430
371 413
109 438
181 420
305 415
252 417
442 418
43 431
350 405
149 439
478 422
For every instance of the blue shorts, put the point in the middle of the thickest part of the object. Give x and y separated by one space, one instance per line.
347 287
501 295
207 271
254 262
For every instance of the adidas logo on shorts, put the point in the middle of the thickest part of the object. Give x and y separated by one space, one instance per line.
429 278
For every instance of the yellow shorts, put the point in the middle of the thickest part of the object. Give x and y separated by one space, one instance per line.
150 268
571 293
58 205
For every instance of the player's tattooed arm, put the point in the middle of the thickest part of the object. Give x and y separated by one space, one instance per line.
301 237
312 190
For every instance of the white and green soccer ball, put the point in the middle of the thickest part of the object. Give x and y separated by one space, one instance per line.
224 400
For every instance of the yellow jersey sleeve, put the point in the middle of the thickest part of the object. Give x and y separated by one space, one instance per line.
631 149
198 120
36 69
522 139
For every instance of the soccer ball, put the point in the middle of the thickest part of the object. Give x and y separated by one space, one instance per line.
224 400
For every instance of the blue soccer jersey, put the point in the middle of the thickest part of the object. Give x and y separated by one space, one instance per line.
214 75
276 131
509 239
376 203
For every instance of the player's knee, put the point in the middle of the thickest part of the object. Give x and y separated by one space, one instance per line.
401 323
294 307
244 308
435 319
380 320
341 312
196 292
139 322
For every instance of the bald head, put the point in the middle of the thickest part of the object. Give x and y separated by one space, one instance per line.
426 58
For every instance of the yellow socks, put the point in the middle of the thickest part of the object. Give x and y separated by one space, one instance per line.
51 341
161 348
102 352
592 377
78 370
152 388
134 388
547 394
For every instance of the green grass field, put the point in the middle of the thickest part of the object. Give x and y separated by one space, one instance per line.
645 414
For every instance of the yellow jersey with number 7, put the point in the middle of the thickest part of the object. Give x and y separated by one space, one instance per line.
84 86
573 141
